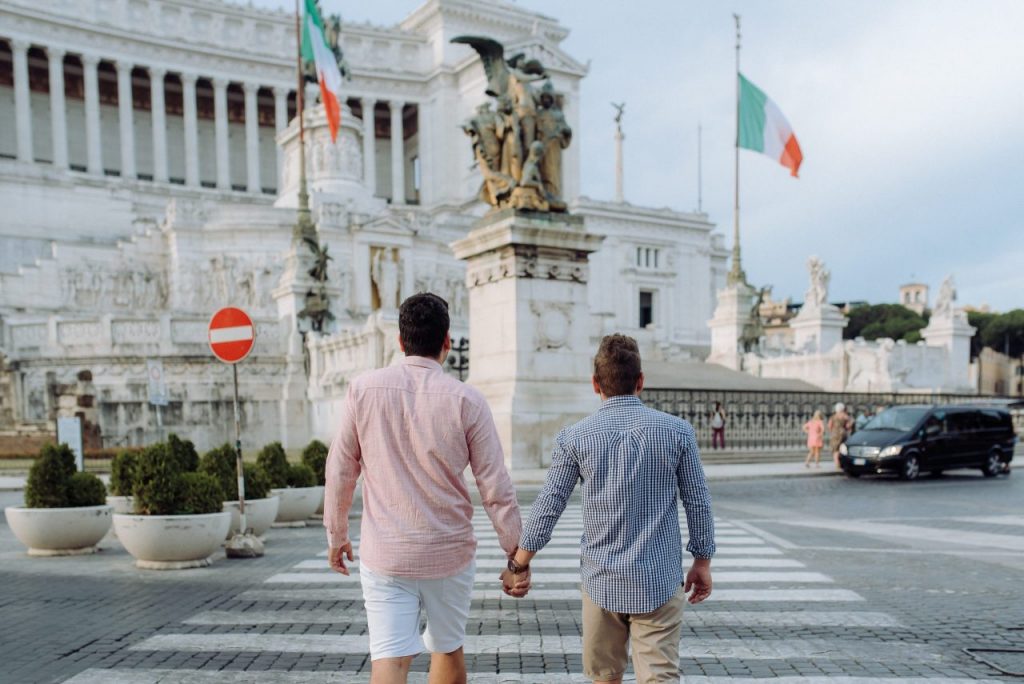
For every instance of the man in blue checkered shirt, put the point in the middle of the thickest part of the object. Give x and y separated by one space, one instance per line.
634 464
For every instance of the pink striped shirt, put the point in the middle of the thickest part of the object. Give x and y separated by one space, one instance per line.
411 430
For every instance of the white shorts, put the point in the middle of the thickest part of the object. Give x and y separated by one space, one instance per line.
393 607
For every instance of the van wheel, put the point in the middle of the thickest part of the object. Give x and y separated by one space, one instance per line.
911 468
993 464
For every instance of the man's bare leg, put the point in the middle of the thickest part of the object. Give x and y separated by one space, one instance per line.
390 670
608 681
448 668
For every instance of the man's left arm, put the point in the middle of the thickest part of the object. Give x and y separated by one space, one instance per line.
693 490
341 474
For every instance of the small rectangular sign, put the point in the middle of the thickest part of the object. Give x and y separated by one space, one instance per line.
157 384
69 431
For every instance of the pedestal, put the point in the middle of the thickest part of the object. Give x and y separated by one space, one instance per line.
530 351
954 333
818 329
732 315
290 297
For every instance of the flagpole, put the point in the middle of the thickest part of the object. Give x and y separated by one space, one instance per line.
700 179
304 225
736 274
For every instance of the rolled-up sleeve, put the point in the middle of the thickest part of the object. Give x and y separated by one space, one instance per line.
342 472
487 461
693 490
563 474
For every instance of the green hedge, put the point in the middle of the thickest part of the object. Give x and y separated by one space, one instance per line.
275 463
53 481
221 464
315 456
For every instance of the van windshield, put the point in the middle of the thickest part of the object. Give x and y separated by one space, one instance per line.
902 418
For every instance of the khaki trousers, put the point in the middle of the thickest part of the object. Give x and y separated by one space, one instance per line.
654 638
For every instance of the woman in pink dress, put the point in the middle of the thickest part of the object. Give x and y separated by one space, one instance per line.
815 429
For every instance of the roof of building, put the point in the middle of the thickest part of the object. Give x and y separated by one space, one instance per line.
700 375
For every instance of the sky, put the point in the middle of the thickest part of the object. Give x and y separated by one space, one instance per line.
910 115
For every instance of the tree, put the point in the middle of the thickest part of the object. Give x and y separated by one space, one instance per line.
1005 333
979 320
875 321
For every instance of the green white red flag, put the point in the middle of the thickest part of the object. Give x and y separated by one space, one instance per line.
315 49
764 129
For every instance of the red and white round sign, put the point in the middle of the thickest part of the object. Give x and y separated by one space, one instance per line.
232 334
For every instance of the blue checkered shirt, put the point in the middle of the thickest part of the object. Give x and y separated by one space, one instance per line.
634 463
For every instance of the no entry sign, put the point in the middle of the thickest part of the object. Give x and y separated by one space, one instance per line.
232 334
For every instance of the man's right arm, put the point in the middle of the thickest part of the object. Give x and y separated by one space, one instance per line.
487 461
342 471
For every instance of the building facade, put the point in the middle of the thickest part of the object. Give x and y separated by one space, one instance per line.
148 171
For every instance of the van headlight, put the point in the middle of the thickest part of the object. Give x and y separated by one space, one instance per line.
843 450
891 451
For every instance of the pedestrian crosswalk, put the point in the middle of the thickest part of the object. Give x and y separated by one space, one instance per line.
767 607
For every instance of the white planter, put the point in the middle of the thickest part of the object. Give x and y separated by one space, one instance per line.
259 514
121 504
172 542
59 531
297 504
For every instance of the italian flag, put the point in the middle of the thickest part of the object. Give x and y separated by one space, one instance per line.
764 129
315 49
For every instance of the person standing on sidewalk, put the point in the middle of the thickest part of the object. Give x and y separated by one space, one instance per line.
839 428
718 427
815 429
634 463
411 430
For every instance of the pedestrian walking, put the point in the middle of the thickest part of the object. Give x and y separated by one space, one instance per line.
815 429
411 430
634 464
839 428
718 427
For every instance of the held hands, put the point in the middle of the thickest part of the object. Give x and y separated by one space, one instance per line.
699 580
516 585
336 557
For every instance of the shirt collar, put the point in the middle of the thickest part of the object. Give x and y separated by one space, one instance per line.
621 400
422 362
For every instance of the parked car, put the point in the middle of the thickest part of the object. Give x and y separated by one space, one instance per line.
909 440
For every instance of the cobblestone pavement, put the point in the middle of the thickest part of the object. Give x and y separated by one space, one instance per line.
816 580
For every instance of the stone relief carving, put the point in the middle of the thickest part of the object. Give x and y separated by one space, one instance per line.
553 324
95 287
220 280
185 211
28 336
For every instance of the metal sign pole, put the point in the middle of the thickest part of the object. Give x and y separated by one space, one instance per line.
238 458
159 423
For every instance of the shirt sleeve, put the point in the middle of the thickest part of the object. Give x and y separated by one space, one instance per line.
487 461
563 474
344 463
693 490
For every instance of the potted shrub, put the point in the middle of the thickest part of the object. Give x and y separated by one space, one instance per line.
179 521
295 483
260 506
315 456
65 512
122 479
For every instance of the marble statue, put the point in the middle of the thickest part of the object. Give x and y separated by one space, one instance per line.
384 272
817 294
517 171
944 300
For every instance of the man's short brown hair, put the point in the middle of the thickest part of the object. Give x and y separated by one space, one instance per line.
617 365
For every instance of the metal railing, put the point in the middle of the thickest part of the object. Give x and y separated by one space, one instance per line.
774 420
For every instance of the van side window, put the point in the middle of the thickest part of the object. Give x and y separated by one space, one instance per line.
963 422
991 420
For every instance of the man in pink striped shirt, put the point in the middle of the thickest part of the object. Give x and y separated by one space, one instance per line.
410 430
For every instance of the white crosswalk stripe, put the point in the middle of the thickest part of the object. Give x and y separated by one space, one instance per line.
751 572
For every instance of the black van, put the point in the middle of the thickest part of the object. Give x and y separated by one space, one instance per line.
909 440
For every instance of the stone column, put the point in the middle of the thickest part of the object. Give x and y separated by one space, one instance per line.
529 326
22 100
220 127
252 138
125 112
93 142
732 315
280 122
397 155
158 120
188 86
369 146
424 151
58 108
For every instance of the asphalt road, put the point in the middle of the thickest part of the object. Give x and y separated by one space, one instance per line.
816 578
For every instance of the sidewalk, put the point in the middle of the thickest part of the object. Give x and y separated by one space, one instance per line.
736 471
